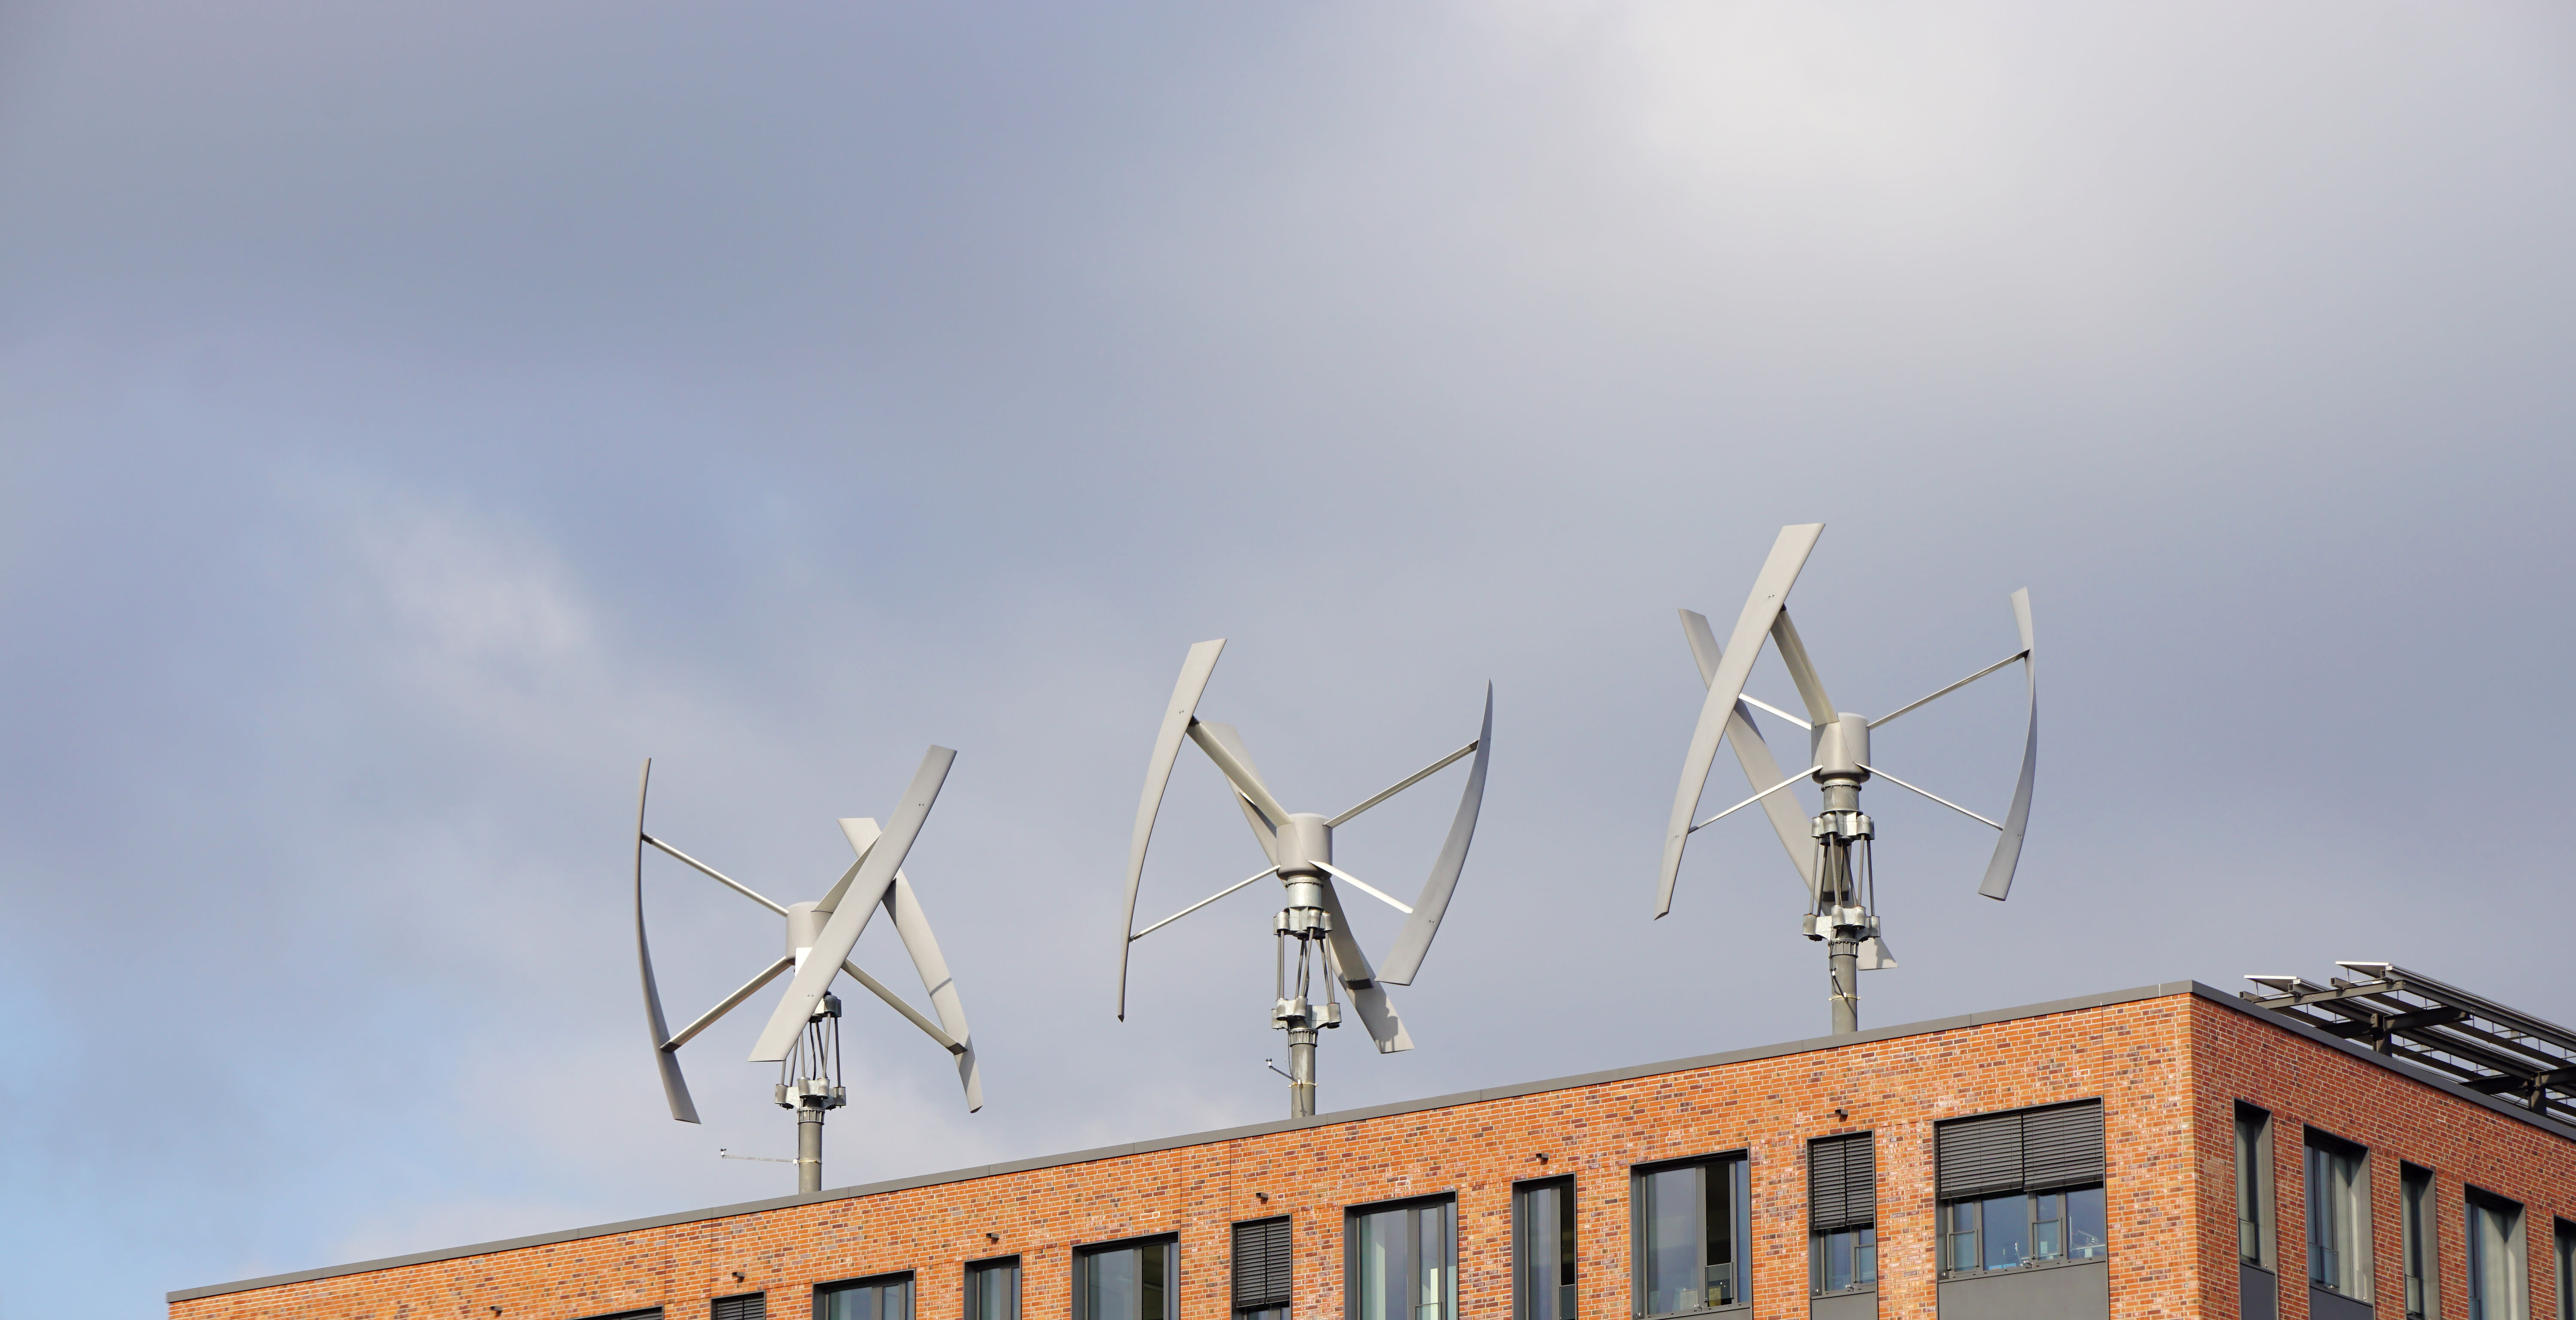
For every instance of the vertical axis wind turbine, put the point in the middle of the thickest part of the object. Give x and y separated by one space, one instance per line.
1300 848
804 1033
1832 850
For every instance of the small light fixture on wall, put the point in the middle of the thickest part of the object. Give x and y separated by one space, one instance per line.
993 1237
737 1276
1541 1157
1262 1197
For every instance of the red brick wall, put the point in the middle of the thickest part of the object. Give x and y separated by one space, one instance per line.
2138 1058
2305 1084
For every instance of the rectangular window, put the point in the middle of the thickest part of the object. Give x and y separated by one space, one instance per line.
887 1297
1842 1214
2566 1270
648 1313
2254 1186
740 1306
1543 1250
1265 1258
1692 1235
2021 1189
2494 1238
1127 1281
993 1289
1400 1262
2338 1175
2420 1241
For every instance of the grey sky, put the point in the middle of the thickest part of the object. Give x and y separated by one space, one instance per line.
410 417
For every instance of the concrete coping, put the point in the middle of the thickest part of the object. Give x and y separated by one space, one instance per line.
1632 1073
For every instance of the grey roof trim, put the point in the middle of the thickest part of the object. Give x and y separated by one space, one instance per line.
1631 1073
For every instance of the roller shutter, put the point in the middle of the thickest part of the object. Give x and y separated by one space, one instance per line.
1842 1182
1264 1251
742 1306
1978 1156
2062 1147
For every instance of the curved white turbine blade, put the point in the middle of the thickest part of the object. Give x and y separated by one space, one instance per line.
1802 671
1237 772
924 948
1232 742
1770 591
841 933
1414 941
1368 998
1999 872
1195 670
1787 817
675 1088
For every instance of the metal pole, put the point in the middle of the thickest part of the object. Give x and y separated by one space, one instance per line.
1842 957
809 1145
1301 1071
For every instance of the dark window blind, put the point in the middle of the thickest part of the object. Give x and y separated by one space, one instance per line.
1264 1251
1978 1156
742 1306
1842 1182
2032 1150
2062 1147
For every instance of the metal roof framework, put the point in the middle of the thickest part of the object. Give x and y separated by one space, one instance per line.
2477 1042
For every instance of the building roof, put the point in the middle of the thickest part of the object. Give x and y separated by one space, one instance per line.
2204 992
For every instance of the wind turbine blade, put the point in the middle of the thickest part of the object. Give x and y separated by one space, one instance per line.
675 1088
1770 591
1787 817
895 1001
1999 872
841 933
1368 998
862 832
914 927
1366 888
1262 831
1404 961
1177 717
1802 671
1238 772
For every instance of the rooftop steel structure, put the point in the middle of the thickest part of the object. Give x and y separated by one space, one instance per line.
2481 1044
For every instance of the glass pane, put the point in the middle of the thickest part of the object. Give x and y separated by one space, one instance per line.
2006 1229
1674 1216
1431 1262
2047 1226
1541 1238
2088 1234
1838 1261
1865 1259
1154 1278
1385 1267
1112 1285
993 1293
1719 1181
1961 1232
2249 1183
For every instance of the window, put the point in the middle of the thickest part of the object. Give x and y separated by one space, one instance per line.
648 1313
2338 1216
1401 1262
1127 1281
885 1298
740 1306
1690 1226
1543 1250
1842 1214
2494 1233
2021 1189
2254 1186
2420 1240
993 1289
2566 1270
1265 1254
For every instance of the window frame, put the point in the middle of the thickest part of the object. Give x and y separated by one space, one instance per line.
2262 1198
1446 1203
1570 1262
1820 1240
715 1304
1088 1252
2316 1146
1739 1166
2477 1201
2564 1236
2419 1243
1950 1199
1234 1266
911 1290
969 1300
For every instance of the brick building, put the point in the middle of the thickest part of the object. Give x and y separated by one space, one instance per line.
2168 1151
